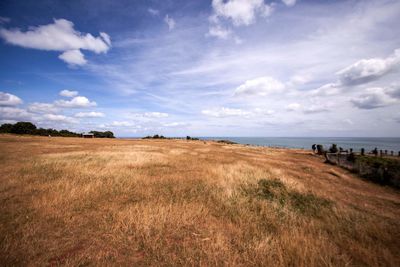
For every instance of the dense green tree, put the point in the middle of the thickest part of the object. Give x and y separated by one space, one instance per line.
6 128
23 127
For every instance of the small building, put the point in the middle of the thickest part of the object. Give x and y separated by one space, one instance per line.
88 135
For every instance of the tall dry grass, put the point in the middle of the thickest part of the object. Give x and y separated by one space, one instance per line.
70 201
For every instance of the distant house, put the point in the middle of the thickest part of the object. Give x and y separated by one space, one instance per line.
88 135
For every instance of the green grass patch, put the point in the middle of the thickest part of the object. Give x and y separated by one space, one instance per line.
274 190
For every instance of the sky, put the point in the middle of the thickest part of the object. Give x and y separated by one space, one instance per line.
280 68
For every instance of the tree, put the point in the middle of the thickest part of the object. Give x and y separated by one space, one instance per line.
6 128
23 127
106 134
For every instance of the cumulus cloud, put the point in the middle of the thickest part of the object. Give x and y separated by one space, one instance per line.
7 99
375 97
327 90
289 2
360 72
59 36
12 113
42 108
76 102
261 86
367 70
68 93
241 12
91 114
73 57
170 22
59 118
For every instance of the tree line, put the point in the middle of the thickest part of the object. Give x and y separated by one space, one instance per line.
24 127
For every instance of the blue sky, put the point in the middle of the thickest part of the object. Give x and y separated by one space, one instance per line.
203 68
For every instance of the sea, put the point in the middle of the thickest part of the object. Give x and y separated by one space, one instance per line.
356 143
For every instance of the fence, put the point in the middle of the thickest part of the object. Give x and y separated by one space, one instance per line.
377 169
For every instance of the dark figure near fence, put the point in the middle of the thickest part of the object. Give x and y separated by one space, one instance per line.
399 153
320 149
351 150
375 151
391 153
386 152
380 153
333 148
314 148
362 151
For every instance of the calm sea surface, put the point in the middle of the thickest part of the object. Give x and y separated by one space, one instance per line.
306 142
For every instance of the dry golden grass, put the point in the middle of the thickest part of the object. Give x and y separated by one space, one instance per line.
71 201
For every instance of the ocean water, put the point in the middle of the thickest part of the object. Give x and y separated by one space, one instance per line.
356 143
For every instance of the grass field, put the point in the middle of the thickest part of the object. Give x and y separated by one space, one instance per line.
98 202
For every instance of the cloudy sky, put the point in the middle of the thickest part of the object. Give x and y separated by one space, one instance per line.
203 68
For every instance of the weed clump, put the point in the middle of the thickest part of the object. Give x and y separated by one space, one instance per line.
274 190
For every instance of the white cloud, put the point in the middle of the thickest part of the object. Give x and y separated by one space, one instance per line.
155 114
299 79
76 102
309 109
367 70
73 57
219 32
59 118
151 115
68 93
42 108
153 11
315 109
59 36
375 97
261 86
235 112
176 124
170 22
225 112
241 12
12 113
289 2
91 114
106 38
122 124
294 107
327 90
7 99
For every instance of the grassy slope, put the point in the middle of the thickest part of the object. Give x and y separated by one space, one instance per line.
71 201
